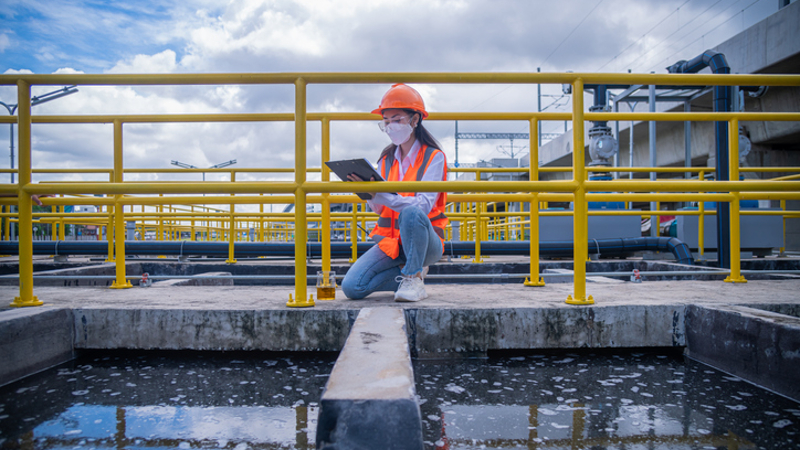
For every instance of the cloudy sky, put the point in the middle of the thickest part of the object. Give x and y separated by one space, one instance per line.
204 36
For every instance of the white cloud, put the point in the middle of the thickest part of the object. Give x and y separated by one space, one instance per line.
202 36
68 71
163 62
17 71
5 42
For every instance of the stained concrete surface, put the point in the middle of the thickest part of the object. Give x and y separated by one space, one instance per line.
455 318
760 346
474 296
33 339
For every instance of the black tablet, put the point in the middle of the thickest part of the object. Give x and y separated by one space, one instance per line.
360 167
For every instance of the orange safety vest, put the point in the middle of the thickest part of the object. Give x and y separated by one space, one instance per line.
387 231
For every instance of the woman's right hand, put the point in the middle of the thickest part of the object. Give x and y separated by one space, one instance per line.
356 177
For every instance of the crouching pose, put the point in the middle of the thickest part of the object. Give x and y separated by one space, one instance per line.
410 231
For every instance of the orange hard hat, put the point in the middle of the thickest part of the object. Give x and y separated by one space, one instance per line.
401 96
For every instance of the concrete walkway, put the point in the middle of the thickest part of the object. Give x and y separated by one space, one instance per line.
449 296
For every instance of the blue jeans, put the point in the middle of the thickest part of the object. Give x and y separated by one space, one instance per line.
375 271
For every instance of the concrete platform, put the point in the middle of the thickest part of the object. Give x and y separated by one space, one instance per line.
456 319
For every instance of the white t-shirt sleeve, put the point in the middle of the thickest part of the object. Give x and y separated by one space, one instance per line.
423 200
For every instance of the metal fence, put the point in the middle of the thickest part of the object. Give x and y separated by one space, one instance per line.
300 191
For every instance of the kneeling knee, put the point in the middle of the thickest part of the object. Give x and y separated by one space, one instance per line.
351 290
412 213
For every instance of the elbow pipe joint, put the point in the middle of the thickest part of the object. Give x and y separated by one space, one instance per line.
709 58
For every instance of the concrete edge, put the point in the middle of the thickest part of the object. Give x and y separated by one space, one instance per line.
215 330
201 279
34 339
429 331
759 346
443 331
370 398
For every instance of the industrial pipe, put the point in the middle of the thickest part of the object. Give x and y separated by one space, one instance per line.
722 103
608 247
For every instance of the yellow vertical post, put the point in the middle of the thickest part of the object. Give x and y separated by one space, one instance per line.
191 223
62 229
24 205
110 227
657 220
261 220
300 224
478 226
580 210
160 211
504 221
783 247
701 220
535 279
326 206
733 169
209 225
121 281
232 232
54 226
143 231
7 224
354 234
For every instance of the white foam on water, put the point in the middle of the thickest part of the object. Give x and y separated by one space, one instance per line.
782 423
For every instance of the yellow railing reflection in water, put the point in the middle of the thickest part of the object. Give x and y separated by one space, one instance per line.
120 194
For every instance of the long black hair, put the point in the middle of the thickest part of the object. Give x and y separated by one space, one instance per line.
420 133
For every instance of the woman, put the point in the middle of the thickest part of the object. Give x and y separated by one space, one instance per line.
410 231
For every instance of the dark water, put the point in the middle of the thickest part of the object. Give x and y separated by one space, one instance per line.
598 401
194 400
536 401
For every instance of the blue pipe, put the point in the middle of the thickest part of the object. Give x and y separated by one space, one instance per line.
722 103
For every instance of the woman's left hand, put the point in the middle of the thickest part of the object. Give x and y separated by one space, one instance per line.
35 198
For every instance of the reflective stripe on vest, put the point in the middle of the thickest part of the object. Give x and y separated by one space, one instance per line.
386 222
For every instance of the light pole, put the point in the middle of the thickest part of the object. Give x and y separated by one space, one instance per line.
215 166
36 100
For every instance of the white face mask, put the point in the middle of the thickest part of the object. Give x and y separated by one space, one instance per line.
398 132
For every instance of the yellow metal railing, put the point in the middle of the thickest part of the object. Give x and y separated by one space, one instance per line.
533 191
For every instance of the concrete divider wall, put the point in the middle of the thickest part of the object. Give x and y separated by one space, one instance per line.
370 398
178 329
453 330
430 330
760 346
33 339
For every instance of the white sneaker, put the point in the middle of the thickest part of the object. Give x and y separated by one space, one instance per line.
411 289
